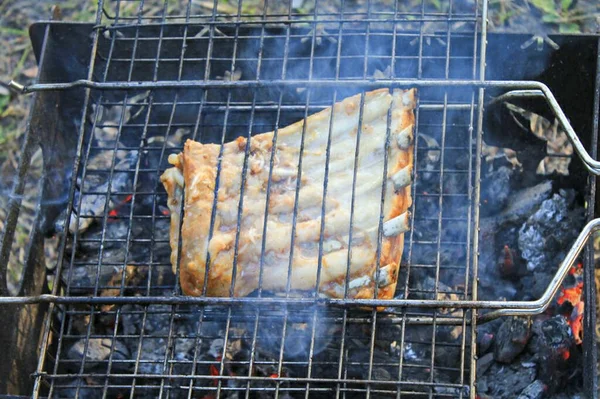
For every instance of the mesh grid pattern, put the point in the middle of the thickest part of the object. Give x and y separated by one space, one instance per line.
257 68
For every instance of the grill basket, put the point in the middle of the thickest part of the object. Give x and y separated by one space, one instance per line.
114 99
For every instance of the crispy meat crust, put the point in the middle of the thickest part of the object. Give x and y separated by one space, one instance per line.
196 170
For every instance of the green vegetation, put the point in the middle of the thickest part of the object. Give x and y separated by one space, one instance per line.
545 16
560 14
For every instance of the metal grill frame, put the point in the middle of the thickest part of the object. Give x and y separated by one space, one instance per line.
469 318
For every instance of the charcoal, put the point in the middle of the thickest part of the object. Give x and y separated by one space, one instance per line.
358 358
565 395
117 230
298 336
381 374
484 342
409 354
156 329
93 205
414 353
216 347
482 387
535 390
512 338
555 351
505 381
82 388
502 230
83 278
450 392
549 230
484 363
80 323
522 203
97 353
510 265
495 191
534 284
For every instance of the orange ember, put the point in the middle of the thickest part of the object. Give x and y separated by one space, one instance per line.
214 371
576 322
509 264
573 295
115 211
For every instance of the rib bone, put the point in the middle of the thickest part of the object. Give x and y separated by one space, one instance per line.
359 282
385 276
405 138
397 225
402 178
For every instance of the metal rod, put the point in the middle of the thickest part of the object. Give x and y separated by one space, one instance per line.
291 83
592 165
522 89
504 308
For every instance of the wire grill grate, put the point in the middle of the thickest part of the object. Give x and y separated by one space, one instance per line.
255 72
159 73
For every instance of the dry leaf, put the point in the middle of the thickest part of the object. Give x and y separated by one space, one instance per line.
117 282
433 156
231 77
319 32
550 165
30 72
491 152
385 74
557 141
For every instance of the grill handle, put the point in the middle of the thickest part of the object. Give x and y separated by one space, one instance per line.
502 308
521 89
592 165
538 306
518 89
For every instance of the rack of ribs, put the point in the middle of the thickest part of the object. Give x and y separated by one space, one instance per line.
209 257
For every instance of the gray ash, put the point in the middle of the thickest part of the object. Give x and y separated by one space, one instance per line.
524 239
543 235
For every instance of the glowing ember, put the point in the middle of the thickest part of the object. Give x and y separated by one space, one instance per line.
507 265
214 371
576 322
164 210
115 211
573 296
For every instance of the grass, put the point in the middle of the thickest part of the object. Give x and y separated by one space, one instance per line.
550 16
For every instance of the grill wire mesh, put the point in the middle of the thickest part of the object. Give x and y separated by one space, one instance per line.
121 243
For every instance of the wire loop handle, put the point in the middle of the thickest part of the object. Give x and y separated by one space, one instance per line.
592 165
502 308
519 89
